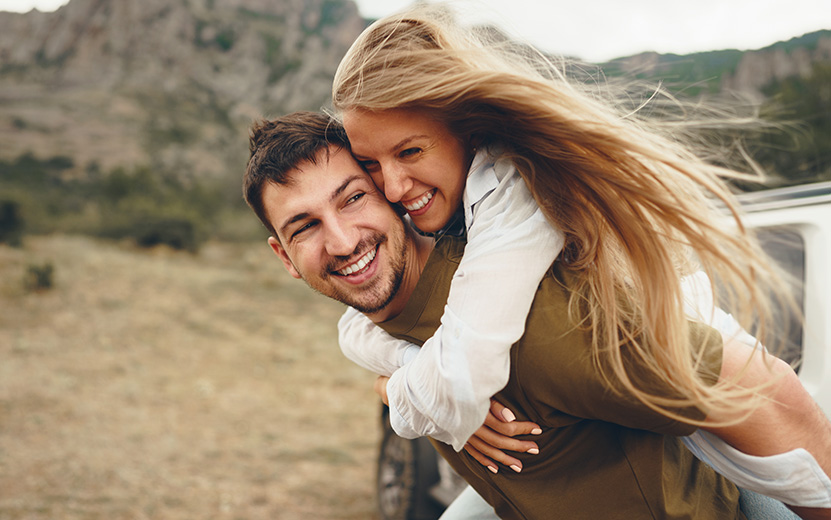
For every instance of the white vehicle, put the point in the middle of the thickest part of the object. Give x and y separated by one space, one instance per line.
793 224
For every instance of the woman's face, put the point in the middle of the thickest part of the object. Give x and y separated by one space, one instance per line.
413 159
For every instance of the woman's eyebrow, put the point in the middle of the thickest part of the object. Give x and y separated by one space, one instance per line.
399 144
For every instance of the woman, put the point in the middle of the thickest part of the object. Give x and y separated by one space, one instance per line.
635 207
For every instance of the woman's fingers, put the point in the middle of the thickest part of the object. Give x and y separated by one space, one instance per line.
501 412
476 454
497 436
490 453
499 441
497 421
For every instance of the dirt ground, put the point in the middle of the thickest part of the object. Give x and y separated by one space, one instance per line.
153 384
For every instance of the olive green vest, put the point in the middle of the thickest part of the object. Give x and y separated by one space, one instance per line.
603 455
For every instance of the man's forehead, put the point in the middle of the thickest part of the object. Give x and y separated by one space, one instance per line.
330 167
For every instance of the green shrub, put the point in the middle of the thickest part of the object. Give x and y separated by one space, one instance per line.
178 233
39 277
11 223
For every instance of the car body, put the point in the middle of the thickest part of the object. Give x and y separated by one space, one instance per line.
794 225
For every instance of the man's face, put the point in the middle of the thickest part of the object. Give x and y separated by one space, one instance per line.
338 233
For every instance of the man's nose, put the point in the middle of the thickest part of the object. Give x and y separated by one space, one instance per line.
341 238
397 183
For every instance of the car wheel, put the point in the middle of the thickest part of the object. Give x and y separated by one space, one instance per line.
407 470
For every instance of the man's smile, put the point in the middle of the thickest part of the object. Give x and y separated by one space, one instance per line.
359 266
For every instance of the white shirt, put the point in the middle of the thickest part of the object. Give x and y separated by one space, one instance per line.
443 389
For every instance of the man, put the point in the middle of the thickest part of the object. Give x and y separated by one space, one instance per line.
332 228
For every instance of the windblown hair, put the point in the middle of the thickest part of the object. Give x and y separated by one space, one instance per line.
279 146
639 209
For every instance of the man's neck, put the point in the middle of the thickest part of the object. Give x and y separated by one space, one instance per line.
416 258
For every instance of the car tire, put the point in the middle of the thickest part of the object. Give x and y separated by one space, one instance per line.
407 469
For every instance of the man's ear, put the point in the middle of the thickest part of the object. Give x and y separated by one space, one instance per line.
279 251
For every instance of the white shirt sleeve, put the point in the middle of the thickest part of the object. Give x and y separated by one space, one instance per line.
794 477
445 391
370 347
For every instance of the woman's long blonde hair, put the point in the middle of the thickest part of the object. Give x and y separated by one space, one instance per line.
638 207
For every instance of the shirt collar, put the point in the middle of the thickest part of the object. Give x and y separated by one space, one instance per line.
481 179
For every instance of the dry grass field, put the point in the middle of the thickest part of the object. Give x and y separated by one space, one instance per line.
153 384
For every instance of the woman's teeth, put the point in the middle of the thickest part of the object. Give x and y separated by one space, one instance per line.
359 265
420 203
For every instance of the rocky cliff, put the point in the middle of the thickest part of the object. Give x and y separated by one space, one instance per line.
748 72
170 84
798 57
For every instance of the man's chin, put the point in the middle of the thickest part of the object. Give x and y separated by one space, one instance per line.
373 307
368 303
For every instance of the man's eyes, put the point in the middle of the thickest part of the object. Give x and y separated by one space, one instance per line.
309 225
303 228
354 198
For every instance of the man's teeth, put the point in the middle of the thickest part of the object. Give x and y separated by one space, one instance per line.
359 265
420 203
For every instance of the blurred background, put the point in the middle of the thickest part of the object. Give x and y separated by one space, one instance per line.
155 360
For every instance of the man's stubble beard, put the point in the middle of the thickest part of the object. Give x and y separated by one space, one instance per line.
383 290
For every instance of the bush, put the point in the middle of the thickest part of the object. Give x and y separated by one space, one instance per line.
143 204
40 277
11 223
178 233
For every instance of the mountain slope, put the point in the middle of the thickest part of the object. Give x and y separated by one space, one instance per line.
168 84
730 70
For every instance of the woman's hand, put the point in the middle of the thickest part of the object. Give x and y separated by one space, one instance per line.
495 437
381 388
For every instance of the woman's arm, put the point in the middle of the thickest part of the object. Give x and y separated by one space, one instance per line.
370 347
445 391
789 418
783 449
789 435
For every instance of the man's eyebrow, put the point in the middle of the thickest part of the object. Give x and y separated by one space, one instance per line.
397 145
292 220
340 189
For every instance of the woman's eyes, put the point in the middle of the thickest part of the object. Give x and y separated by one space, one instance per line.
410 152
369 166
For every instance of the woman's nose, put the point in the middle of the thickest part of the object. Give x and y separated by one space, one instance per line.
397 183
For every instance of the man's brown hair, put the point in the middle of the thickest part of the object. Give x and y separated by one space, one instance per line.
279 145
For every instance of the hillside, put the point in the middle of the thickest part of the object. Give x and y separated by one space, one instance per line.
730 70
790 80
171 85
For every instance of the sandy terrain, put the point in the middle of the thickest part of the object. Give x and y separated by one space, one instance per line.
163 385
